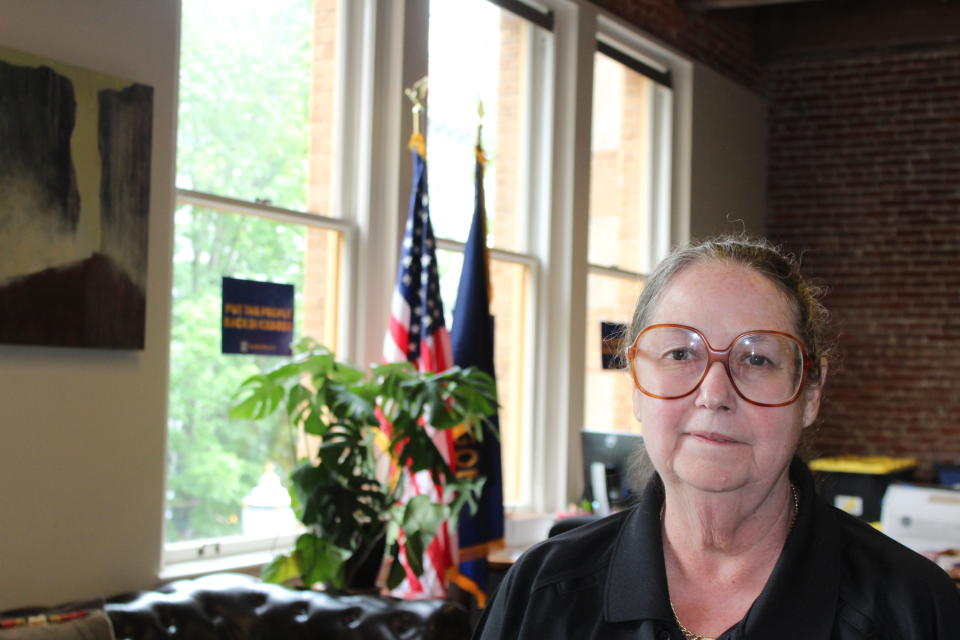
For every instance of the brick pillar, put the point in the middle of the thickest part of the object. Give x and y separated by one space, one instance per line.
322 269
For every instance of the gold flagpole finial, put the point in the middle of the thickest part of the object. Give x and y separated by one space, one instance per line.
417 95
479 121
481 158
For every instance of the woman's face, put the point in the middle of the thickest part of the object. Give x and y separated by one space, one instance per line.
713 439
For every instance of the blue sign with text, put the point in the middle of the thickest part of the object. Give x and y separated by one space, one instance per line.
257 317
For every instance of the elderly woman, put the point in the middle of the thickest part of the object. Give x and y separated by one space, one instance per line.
728 539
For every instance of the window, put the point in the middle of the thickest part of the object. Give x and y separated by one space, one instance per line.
254 172
292 167
631 102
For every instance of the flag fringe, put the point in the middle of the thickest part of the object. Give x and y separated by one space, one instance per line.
467 585
466 554
418 144
481 155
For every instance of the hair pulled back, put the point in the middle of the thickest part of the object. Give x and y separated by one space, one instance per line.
757 254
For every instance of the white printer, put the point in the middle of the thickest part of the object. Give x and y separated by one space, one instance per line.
924 518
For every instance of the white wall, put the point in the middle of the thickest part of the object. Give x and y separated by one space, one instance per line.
82 432
728 167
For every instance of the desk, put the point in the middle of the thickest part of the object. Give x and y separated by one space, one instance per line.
499 562
504 558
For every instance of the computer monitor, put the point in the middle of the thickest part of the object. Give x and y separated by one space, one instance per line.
606 467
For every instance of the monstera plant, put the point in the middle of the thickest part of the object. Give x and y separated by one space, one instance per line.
370 427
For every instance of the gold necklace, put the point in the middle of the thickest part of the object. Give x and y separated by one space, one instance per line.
796 507
687 634
690 635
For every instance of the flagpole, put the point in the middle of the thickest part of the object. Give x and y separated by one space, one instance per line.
417 94
479 123
481 165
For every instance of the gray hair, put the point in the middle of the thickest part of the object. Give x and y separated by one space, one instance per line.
761 256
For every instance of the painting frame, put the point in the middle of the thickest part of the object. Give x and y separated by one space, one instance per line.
74 204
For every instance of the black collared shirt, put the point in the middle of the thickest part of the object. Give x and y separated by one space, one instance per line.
836 579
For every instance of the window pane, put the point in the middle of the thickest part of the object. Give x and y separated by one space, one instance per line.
256 87
214 462
619 168
487 62
510 287
608 404
509 306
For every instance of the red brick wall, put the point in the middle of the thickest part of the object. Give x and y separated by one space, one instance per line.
721 40
864 178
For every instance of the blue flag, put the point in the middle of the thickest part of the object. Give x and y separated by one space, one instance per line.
472 338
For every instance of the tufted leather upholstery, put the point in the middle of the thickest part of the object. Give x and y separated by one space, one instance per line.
230 606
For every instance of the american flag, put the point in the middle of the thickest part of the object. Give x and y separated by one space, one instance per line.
416 333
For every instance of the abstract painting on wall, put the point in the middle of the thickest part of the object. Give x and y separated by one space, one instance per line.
74 204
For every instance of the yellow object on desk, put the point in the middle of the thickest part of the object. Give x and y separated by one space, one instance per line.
878 465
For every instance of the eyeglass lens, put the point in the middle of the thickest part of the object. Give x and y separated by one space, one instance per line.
765 368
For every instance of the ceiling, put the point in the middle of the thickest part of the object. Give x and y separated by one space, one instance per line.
786 28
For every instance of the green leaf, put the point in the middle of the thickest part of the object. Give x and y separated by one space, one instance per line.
330 452
310 484
317 365
285 371
320 560
296 396
350 403
422 517
446 419
313 424
261 400
397 573
282 568
347 374
246 409
307 344
414 548
466 494
415 407
393 530
274 398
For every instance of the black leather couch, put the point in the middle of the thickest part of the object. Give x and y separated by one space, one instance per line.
239 607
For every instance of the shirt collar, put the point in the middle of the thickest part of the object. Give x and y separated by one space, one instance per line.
637 583
800 594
